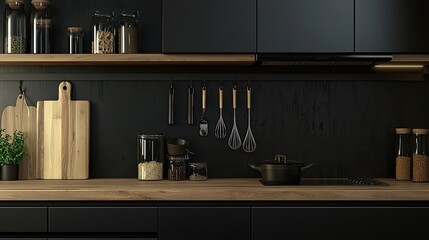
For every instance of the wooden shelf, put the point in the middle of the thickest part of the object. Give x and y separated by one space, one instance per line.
125 59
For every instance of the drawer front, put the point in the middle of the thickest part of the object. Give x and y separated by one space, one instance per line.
208 223
91 219
23 219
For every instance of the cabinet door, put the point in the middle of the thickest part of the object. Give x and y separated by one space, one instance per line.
339 223
305 26
204 223
103 220
23 219
207 26
392 26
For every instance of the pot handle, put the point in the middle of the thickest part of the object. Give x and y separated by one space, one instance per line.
255 166
307 167
280 158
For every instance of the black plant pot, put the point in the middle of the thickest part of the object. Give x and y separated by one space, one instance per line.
9 172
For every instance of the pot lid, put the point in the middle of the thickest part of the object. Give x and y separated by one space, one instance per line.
276 162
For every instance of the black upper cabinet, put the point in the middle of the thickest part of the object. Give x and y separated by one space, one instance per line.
392 26
305 26
208 26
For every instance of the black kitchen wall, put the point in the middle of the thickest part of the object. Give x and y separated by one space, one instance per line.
344 127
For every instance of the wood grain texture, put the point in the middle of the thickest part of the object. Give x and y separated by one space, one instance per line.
126 59
23 118
212 190
63 136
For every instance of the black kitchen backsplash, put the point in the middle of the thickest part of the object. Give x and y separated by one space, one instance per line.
345 127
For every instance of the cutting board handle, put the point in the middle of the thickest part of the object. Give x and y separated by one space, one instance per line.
64 91
20 101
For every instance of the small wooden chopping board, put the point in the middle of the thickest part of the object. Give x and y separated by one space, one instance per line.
23 118
63 136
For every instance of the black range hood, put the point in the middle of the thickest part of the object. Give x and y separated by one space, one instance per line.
280 59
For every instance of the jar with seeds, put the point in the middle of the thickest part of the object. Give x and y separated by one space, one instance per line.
151 153
198 171
41 23
403 151
128 32
420 157
103 33
15 27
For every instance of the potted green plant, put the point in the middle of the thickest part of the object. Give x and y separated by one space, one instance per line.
11 153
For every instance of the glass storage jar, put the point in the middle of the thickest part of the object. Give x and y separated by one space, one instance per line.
103 33
41 26
198 171
128 32
75 38
15 27
403 157
420 157
177 168
151 152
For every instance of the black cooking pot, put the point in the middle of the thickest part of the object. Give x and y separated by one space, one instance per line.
281 171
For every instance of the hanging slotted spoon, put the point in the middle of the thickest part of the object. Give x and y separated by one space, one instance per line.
220 130
234 141
249 144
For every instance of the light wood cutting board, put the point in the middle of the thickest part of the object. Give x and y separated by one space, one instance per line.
23 118
63 136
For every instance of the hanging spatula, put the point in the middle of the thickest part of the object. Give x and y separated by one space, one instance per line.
204 125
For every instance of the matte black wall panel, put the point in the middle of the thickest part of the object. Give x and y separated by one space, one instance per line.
207 26
103 219
187 223
23 219
392 26
305 26
67 13
339 223
345 127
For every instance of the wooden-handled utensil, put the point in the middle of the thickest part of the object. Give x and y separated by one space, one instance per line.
249 144
23 118
204 126
234 141
220 130
63 136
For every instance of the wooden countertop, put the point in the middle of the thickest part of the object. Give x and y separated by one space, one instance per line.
214 189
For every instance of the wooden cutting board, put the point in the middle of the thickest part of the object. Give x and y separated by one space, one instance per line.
63 136
23 118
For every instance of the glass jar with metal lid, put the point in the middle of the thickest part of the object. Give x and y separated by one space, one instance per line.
151 156
15 27
128 41
198 171
103 32
75 38
420 156
403 154
41 25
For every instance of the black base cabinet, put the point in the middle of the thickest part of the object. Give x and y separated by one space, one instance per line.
196 223
216 220
340 223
